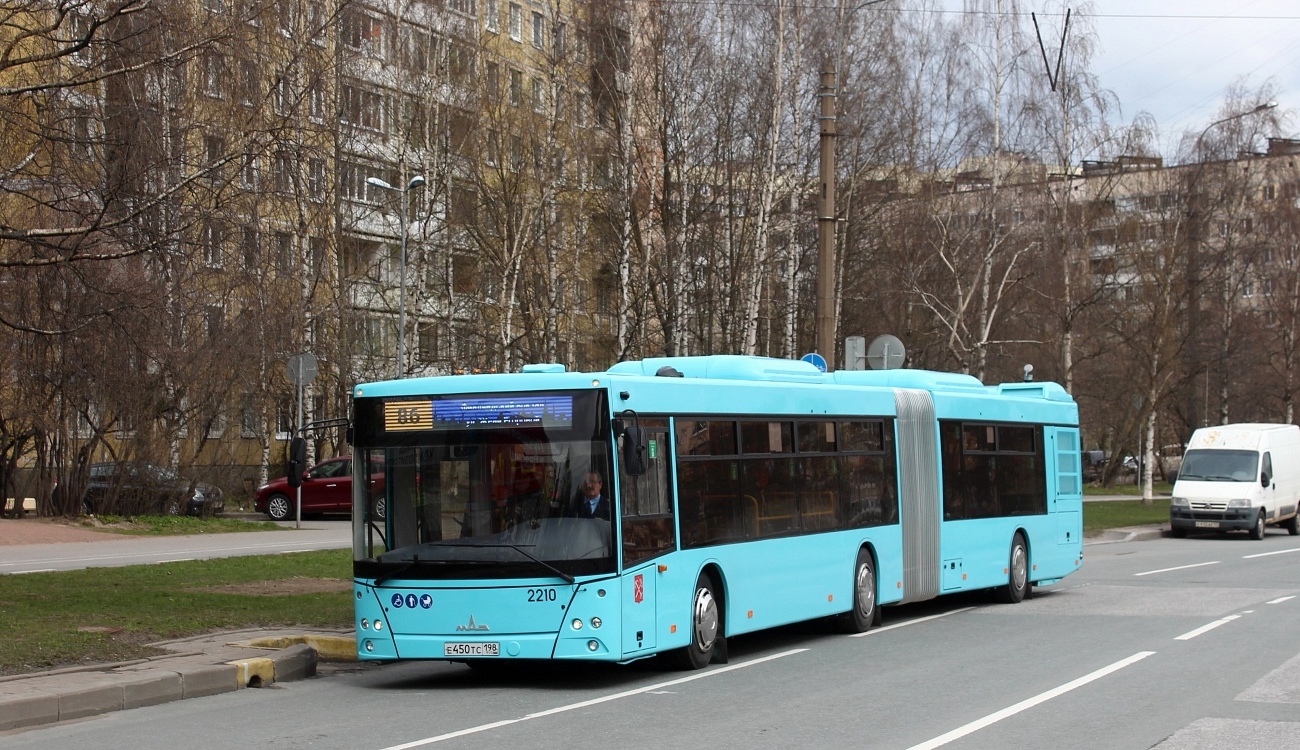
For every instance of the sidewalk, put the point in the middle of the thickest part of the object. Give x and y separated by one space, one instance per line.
202 665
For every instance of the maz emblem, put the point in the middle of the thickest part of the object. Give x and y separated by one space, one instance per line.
471 626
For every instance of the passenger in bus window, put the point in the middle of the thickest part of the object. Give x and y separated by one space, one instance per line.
591 501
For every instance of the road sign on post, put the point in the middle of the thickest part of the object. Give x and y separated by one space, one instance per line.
816 360
855 353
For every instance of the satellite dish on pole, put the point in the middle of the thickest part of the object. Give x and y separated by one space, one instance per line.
886 353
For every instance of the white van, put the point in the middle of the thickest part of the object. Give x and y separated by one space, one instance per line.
1238 476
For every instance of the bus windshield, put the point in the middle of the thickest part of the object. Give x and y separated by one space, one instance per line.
512 498
1220 466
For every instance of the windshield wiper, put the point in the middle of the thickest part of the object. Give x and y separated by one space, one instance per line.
567 578
395 572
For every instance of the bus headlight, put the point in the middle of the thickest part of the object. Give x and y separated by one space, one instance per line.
576 624
595 622
365 624
1179 502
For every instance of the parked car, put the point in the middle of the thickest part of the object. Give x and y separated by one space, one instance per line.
326 488
135 487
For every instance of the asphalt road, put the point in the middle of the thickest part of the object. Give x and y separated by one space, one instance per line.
140 550
1172 644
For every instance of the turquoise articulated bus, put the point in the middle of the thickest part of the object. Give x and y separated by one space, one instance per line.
664 505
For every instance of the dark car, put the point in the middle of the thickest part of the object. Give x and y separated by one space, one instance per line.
129 487
326 488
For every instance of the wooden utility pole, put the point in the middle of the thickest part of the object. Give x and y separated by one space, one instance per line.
826 223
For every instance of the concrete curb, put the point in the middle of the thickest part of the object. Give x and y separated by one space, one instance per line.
1128 534
61 695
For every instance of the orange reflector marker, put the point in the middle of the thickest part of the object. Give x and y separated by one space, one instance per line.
963 576
898 585
663 568
1005 571
750 614
1035 567
672 628
830 597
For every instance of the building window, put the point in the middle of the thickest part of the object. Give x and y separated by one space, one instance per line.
516 22
282 172
249 424
461 63
492 80
248 248
79 32
462 6
316 179
284 252
316 102
283 95
210 238
214 149
317 251
249 76
428 349
248 172
491 15
214 75
491 150
516 87
539 95
561 39
316 23
284 17
415 49
539 27
364 33
362 108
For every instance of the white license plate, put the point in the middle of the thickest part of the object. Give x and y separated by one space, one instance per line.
1207 524
471 649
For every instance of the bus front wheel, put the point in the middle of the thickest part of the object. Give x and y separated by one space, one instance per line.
1017 572
865 611
706 618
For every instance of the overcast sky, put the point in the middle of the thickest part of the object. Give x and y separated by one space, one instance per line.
1175 58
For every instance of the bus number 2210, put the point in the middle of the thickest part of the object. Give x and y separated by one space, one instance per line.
541 595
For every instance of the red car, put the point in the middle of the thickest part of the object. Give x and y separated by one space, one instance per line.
326 488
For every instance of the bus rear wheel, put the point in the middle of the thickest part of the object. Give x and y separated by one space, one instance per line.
1017 572
706 618
865 610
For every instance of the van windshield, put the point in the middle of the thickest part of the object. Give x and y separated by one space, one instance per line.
1220 466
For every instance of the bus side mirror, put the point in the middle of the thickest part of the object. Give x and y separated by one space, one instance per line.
297 461
634 449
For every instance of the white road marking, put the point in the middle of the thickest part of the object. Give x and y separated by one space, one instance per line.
1180 567
1028 703
911 622
1206 628
1280 599
1267 554
594 701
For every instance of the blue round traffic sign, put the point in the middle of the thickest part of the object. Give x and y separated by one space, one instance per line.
816 360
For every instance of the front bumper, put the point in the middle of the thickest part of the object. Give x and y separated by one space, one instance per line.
1232 519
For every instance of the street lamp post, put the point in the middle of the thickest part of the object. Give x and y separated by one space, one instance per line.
1193 270
416 181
